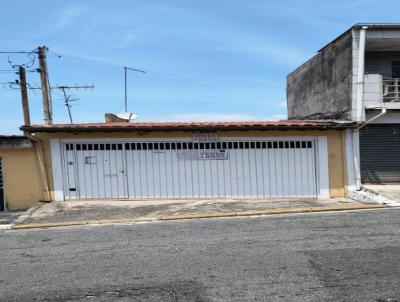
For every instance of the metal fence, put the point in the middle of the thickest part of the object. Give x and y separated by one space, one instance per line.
391 89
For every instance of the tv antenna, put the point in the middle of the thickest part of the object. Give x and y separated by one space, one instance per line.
67 98
126 83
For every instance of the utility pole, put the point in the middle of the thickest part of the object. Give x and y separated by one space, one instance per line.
24 95
126 83
44 79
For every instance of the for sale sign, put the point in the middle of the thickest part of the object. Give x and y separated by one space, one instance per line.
204 136
213 154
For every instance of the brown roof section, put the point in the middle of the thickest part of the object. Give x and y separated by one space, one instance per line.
14 141
189 126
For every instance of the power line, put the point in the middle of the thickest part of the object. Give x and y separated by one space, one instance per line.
8 52
31 55
9 71
54 53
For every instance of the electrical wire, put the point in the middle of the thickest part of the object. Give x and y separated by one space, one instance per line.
54 53
31 55
8 71
7 52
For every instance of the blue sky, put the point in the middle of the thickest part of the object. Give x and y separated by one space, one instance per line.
205 60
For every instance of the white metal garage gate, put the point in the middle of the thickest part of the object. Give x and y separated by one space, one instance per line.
185 169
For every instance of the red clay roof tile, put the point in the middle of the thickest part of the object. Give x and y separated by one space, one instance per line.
168 126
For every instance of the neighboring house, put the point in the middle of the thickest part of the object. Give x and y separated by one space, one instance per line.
20 176
356 77
133 160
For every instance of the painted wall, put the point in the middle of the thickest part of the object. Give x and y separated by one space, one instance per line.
22 178
337 168
321 88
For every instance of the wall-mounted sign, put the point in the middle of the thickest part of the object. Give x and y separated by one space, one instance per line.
213 154
204 136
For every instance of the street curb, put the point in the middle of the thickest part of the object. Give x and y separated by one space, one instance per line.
73 223
6 226
342 207
273 211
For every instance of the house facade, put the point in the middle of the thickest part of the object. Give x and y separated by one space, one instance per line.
356 78
21 181
260 160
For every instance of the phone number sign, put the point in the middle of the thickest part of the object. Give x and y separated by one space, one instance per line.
213 155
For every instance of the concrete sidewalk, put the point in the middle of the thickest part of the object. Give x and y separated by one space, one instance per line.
9 218
124 211
388 193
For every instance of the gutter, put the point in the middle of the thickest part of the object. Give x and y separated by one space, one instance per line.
359 107
360 73
40 155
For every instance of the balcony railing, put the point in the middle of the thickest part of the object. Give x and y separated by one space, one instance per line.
391 89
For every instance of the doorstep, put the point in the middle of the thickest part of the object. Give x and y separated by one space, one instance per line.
127 211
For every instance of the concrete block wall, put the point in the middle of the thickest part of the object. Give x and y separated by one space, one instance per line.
321 87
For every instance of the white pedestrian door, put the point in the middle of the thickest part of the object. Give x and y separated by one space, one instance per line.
180 169
94 171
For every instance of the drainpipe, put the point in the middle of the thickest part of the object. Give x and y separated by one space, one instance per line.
356 159
359 108
39 153
360 74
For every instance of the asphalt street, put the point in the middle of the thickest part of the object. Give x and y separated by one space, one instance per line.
342 256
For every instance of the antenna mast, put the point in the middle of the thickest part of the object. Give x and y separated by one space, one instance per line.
68 99
126 83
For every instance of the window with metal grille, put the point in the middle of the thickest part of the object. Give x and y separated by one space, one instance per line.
192 145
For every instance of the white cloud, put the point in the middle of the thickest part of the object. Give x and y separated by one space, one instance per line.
127 38
202 117
275 117
207 117
68 16
281 54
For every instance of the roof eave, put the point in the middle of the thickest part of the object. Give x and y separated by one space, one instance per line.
360 25
186 128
